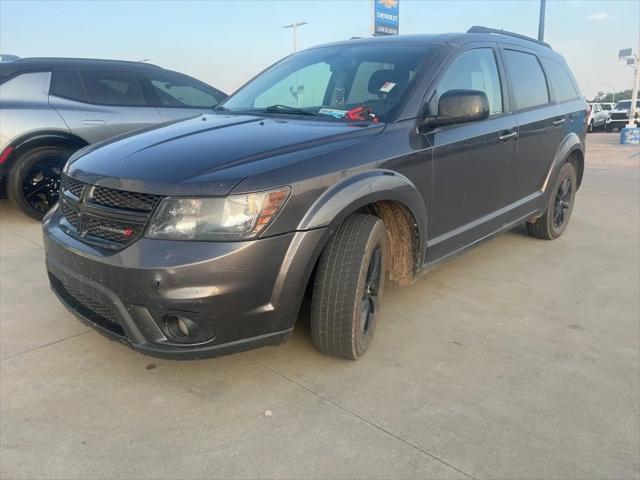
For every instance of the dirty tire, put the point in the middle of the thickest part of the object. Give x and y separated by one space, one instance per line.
556 218
49 160
346 296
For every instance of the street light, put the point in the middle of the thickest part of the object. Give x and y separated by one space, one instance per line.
633 61
295 26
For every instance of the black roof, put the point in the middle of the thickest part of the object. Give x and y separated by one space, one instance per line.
474 34
48 63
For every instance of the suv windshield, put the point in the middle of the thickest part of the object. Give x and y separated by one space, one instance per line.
626 105
352 82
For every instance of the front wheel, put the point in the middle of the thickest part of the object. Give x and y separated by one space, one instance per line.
34 180
348 287
556 218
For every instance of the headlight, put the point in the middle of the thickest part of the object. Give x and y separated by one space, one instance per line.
232 217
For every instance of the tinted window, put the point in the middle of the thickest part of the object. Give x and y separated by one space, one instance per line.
528 84
561 81
108 87
473 70
330 81
179 91
67 83
606 106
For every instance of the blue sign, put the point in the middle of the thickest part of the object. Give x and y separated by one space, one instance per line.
386 17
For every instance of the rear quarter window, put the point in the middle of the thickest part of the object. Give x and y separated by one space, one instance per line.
528 83
561 81
67 84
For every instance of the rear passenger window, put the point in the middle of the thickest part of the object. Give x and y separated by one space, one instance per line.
109 87
176 91
67 84
561 81
473 70
528 83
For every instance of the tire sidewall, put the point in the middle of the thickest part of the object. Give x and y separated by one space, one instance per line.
21 167
567 171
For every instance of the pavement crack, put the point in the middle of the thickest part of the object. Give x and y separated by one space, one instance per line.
368 422
25 238
45 345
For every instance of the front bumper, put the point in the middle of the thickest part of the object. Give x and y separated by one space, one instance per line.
248 293
619 122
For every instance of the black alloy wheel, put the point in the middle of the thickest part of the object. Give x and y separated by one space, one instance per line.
371 298
41 184
562 203
34 180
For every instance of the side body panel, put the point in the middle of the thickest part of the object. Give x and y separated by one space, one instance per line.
24 107
95 123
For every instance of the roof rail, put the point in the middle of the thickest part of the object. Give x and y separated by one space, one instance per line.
480 29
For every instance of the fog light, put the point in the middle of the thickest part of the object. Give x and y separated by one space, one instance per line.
183 327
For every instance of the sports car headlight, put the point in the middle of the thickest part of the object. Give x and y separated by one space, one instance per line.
233 217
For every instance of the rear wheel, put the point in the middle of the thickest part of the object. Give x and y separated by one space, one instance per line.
556 218
34 181
348 287
590 128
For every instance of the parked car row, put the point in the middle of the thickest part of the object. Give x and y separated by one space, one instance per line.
51 107
336 168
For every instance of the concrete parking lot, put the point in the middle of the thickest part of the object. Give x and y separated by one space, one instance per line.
517 360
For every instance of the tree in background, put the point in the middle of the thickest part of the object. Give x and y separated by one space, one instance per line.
602 97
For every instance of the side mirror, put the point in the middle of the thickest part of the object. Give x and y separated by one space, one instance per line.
458 106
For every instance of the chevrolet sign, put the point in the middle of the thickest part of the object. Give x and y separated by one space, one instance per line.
386 17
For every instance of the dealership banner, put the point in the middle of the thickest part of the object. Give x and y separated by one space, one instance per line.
386 17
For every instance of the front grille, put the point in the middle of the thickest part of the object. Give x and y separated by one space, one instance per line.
70 214
619 116
72 185
94 308
110 197
104 217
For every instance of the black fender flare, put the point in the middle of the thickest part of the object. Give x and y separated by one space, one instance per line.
570 144
42 138
356 191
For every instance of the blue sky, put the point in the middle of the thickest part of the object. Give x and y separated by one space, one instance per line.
227 42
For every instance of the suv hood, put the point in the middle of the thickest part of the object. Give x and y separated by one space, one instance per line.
209 154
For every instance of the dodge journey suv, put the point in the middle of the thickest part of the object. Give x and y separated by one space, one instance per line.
334 170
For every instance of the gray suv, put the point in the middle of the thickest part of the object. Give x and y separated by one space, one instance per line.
51 107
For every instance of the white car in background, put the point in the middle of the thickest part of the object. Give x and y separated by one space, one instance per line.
598 115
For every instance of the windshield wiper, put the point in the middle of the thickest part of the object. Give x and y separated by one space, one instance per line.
278 108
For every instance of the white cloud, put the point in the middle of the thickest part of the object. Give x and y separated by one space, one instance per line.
598 16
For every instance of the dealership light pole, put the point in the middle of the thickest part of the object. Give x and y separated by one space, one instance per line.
295 26
543 4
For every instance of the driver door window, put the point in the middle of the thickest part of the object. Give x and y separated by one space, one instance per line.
473 70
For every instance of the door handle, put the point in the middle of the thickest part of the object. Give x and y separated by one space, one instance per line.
505 137
558 122
93 122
